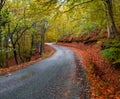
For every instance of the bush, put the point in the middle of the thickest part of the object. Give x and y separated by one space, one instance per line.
111 54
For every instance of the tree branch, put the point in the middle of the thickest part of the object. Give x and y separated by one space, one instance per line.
77 5
2 2
21 35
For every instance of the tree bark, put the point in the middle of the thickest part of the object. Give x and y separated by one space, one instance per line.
19 52
108 29
6 45
43 30
42 44
0 48
110 12
15 54
32 44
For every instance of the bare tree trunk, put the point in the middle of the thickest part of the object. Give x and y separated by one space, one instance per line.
13 45
108 29
19 52
110 12
43 30
6 45
15 54
42 44
32 44
0 48
7 41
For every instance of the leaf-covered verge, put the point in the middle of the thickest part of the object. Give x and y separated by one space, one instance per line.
103 77
27 24
35 58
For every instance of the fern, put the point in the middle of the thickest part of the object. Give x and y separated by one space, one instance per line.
111 54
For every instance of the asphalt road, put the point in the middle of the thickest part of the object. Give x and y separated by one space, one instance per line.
52 78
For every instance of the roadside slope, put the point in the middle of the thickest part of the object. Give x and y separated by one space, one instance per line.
35 58
104 80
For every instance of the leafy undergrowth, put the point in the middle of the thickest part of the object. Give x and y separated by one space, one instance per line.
104 79
35 58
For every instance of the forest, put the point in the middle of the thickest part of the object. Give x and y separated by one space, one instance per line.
92 26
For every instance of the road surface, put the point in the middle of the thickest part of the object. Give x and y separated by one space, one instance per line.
56 77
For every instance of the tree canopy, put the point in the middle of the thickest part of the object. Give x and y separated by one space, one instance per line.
23 22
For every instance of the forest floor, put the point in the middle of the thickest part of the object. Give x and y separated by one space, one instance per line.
104 79
35 58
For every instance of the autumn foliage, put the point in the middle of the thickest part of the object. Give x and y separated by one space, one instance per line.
35 58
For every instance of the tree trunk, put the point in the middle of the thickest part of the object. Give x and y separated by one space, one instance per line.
43 30
32 44
19 52
6 45
0 47
42 44
110 12
15 54
7 41
108 29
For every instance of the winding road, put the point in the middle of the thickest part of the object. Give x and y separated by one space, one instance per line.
56 77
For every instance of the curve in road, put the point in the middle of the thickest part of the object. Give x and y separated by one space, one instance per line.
51 78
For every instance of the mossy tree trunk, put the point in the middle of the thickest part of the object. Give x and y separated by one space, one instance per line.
109 4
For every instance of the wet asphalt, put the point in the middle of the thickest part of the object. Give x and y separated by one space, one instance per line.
57 77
